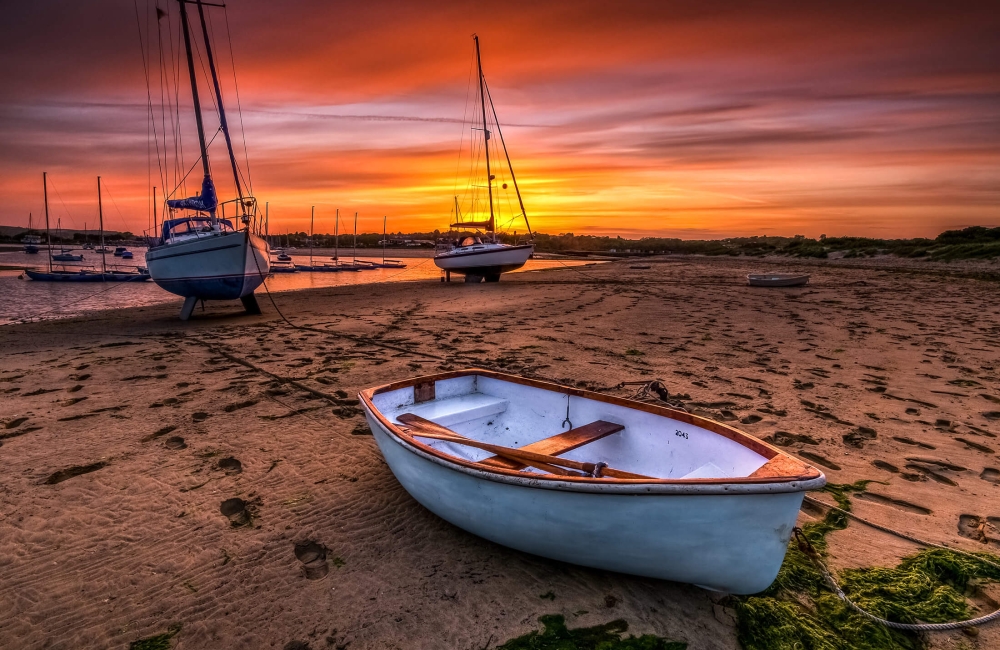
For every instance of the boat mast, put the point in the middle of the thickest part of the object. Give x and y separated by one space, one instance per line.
48 233
222 109
355 239
100 215
194 96
383 240
509 166
312 231
486 135
336 238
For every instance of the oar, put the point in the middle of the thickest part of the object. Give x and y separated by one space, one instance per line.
427 429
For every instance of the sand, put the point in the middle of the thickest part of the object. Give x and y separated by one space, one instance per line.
149 406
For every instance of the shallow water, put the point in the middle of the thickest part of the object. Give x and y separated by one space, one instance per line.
25 299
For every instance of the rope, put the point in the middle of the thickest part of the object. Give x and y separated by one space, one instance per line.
810 551
115 285
358 339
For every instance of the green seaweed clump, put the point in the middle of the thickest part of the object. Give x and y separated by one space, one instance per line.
800 612
556 636
158 642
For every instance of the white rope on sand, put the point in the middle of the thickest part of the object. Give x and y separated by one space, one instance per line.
813 555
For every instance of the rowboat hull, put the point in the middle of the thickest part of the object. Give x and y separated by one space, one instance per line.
225 266
485 262
777 280
724 536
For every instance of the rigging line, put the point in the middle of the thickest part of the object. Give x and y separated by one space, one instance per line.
239 172
65 207
124 223
195 164
163 119
360 339
114 285
239 108
461 141
507 155
175 116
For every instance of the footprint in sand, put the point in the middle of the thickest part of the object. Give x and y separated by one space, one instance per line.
991 474
894 503
312 555
230 465
199 416
296 645
980 529
70 472
239 405
160 432
889 467
975 445
930 473
175 442
911 441
237 511
819 460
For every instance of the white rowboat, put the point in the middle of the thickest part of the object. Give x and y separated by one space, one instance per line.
590 479
777 279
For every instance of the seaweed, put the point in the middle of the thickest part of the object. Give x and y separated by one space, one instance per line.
556 636
798 611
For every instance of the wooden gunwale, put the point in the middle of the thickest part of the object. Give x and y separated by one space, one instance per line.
762 448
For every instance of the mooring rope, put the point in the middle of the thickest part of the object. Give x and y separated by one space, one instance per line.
810 551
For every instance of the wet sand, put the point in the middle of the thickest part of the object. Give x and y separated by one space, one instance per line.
118 432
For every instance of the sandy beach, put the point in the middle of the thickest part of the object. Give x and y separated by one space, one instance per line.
125 431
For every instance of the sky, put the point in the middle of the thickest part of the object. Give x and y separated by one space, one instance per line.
683 119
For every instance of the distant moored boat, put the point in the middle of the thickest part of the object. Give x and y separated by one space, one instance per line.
482 255
777 279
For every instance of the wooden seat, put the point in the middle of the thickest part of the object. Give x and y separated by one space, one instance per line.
559 443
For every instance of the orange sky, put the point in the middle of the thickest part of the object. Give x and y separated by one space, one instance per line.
695 119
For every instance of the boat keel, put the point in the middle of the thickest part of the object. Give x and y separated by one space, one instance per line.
188 307
250 304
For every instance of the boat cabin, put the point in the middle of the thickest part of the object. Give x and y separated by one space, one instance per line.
175 230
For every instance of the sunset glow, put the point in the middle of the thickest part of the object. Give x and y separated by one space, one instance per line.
695 120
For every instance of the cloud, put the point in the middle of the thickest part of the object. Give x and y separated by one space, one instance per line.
681 117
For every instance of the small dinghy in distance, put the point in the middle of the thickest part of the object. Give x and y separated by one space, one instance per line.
593 480
777 279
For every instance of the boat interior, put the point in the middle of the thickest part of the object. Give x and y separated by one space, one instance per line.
649 442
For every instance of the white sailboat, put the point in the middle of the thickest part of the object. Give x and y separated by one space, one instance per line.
199 255
480 254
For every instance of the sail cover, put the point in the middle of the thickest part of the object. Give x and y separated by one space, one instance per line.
206 201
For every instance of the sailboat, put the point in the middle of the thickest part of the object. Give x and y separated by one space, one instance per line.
65 254
482 255
30 241
387 264
319 268
201 256
85 275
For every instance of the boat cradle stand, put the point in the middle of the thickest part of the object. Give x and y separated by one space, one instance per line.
249 304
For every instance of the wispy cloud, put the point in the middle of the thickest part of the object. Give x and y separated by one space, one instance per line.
677 118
